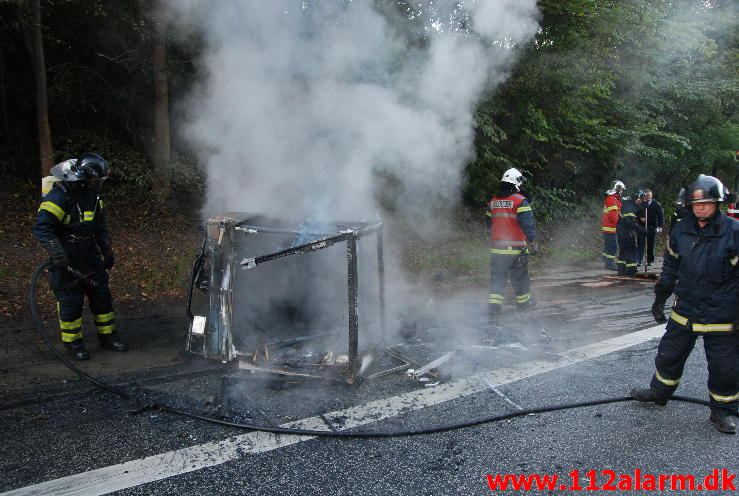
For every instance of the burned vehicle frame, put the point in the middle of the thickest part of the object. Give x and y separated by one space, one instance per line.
216 269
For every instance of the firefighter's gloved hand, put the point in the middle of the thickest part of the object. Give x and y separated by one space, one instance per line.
533 249
57 255
658 311
662 291
108 259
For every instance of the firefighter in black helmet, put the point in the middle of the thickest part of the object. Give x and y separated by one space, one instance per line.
71 227
627 229
701 266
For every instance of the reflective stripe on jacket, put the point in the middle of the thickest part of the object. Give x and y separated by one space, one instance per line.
628 218
611 207
512 221
703 263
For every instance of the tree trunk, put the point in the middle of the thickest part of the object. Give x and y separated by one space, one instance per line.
161 152
39 72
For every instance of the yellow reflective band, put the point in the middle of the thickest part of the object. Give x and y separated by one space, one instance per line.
713 327
734 261
630 264
104 317
507 251
88 216
608 256
667 382
495 298
724 399
102 205
608 229
608 209
523 209
678 318
68 337
66 220
105 329
627 215
68 326
701 327
53 208
669 249
523 298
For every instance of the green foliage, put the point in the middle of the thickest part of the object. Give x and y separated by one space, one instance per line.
643 91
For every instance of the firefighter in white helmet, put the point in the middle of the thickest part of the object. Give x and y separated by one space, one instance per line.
512 237
611 208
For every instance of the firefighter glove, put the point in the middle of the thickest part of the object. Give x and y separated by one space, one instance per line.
57 255
658 311
534 249
662 291
108 259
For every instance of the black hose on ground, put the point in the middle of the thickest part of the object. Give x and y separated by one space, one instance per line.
40 328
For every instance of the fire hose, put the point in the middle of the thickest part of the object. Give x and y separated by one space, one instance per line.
43 334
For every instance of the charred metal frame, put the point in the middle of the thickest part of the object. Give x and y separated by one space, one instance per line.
210 336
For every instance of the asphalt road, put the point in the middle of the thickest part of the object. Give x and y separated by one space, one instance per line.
591 338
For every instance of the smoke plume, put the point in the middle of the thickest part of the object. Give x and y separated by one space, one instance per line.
322 109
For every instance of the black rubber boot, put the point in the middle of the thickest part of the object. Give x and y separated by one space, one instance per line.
76 349
723 422
647 395
112 342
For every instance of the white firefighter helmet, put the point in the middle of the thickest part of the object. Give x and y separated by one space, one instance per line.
617 187
514 177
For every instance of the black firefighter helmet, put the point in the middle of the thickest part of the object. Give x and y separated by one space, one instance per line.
706 189
88 171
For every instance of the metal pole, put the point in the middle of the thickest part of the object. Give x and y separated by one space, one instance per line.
381 280
353 300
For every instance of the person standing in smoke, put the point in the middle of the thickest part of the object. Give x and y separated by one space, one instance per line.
611 208
701 267
71 227
627 229
512 239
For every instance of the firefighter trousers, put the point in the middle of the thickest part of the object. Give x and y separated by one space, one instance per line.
70 296
626 253
722 354
610 249
515 266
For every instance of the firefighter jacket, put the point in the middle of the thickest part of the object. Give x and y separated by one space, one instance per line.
512 224
702 264
611 208
76 217
627 218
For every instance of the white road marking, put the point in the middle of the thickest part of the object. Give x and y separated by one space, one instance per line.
153 468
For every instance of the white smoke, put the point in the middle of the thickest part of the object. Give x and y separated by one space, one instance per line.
304 105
